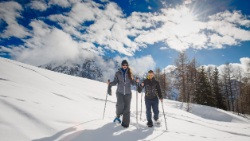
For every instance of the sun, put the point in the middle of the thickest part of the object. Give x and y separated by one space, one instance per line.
184 29
186 22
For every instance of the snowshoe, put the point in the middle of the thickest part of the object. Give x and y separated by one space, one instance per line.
150 124
117 120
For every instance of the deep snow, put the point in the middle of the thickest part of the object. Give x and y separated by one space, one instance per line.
38 104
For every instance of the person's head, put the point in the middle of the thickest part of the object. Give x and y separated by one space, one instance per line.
150 74
124 64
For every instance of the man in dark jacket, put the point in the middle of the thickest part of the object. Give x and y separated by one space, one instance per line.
124 79
152 96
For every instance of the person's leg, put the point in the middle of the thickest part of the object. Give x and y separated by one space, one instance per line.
126 110
155 105
148 109
119 104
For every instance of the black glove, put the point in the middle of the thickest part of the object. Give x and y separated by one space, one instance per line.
109 90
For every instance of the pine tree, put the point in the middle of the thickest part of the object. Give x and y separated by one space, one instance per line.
246 96
216 90
203 94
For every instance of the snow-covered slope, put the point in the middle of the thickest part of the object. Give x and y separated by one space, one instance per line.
38 104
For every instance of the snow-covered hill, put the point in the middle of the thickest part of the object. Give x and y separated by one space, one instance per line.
42 105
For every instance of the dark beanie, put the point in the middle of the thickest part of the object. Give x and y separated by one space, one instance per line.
150 71
124 62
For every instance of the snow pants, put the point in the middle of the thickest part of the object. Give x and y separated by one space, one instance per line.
123 107
152 103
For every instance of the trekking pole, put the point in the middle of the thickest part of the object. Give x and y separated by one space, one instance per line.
106 101
141 107
163 113
137 104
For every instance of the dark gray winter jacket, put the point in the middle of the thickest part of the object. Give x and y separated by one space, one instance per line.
152 89
124 83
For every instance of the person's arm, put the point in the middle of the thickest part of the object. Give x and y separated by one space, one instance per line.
115 81
141 86
159 91
133 81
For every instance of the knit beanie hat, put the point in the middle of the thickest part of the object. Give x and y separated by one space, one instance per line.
124 62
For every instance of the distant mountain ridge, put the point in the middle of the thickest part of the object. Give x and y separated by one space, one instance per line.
88 68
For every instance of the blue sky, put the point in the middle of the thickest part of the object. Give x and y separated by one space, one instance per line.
206 57
210 42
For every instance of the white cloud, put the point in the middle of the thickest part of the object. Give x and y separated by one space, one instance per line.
210 66
110 31
234 17
38 5
62 3
5 49
225 28
188 1
182 30
163 48
245 62
169 69
46 45
178 27
80 12
243 66
9 12
179 30
218 41
42 5
234 69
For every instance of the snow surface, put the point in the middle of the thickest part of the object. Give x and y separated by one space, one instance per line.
41 105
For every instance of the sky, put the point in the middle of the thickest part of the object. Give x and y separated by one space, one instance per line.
149 33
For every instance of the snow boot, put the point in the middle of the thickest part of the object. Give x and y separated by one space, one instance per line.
150 124
125 126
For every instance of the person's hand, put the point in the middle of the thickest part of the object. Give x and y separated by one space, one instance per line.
137 80
142 84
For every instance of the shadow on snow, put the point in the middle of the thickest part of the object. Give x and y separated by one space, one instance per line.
109 132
